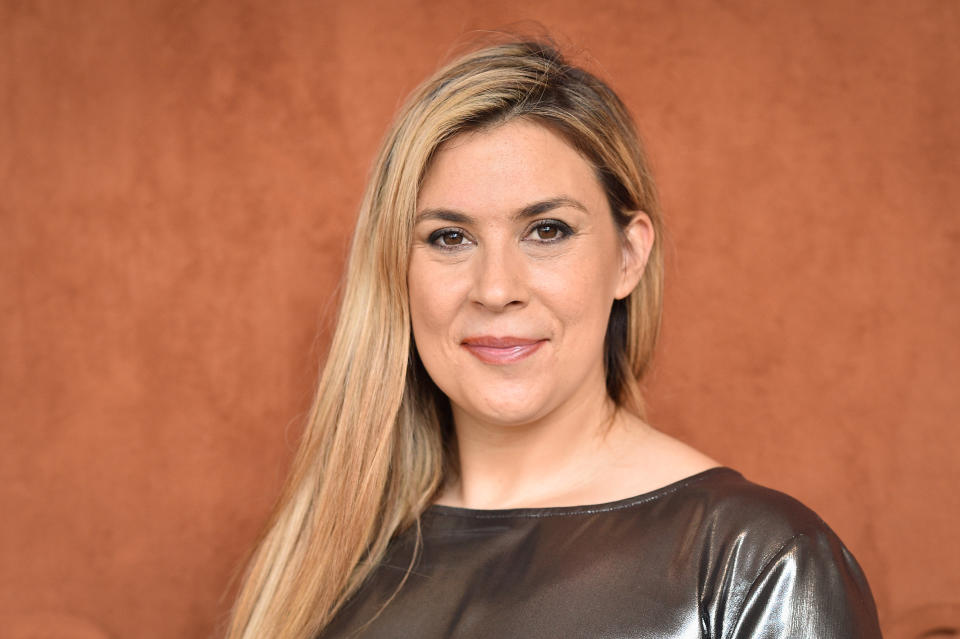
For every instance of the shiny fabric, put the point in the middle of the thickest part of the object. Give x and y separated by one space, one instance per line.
713 555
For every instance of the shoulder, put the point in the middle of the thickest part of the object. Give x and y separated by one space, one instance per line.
724 493
754 523
732 501
762 547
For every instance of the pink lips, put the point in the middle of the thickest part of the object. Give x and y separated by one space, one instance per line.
501 350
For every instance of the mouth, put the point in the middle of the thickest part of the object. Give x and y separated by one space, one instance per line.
501 350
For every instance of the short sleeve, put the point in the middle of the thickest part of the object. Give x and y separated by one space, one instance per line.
811 588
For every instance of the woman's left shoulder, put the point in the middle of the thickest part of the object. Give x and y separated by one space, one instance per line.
723 493
773 560
735 500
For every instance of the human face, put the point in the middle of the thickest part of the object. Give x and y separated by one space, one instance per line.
514 266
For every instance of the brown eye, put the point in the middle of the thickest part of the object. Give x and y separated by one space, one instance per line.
451 238
548 232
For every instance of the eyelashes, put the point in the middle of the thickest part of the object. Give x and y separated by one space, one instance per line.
448 238
542 232
550 231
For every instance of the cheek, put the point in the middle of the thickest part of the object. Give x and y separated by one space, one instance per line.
433 308
581 294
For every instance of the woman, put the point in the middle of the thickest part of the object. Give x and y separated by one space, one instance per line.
476 462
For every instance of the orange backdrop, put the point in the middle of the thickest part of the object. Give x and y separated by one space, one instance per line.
177 185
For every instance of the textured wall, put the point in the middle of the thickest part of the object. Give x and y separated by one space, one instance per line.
177 185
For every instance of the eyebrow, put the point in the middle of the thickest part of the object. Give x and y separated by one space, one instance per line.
528 211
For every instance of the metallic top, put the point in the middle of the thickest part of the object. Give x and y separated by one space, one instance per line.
712 555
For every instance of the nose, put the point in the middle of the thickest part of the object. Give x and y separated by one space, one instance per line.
499 278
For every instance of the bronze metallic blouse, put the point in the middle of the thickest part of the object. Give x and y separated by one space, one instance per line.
713 555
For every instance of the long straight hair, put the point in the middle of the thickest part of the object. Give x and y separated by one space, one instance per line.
376 444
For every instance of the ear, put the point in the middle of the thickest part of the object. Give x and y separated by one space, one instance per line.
636 242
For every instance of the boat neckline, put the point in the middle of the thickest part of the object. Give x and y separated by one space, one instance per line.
586 509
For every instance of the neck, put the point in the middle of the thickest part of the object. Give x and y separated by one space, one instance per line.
540 463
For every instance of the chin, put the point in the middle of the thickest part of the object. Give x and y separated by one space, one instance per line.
505 418
508 407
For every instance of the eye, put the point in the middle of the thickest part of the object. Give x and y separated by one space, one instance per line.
550 231
448 238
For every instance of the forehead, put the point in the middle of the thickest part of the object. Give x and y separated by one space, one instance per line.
506 167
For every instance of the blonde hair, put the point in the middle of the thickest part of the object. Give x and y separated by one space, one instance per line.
373 453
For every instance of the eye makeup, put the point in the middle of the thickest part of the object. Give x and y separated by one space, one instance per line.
449 239
548 231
